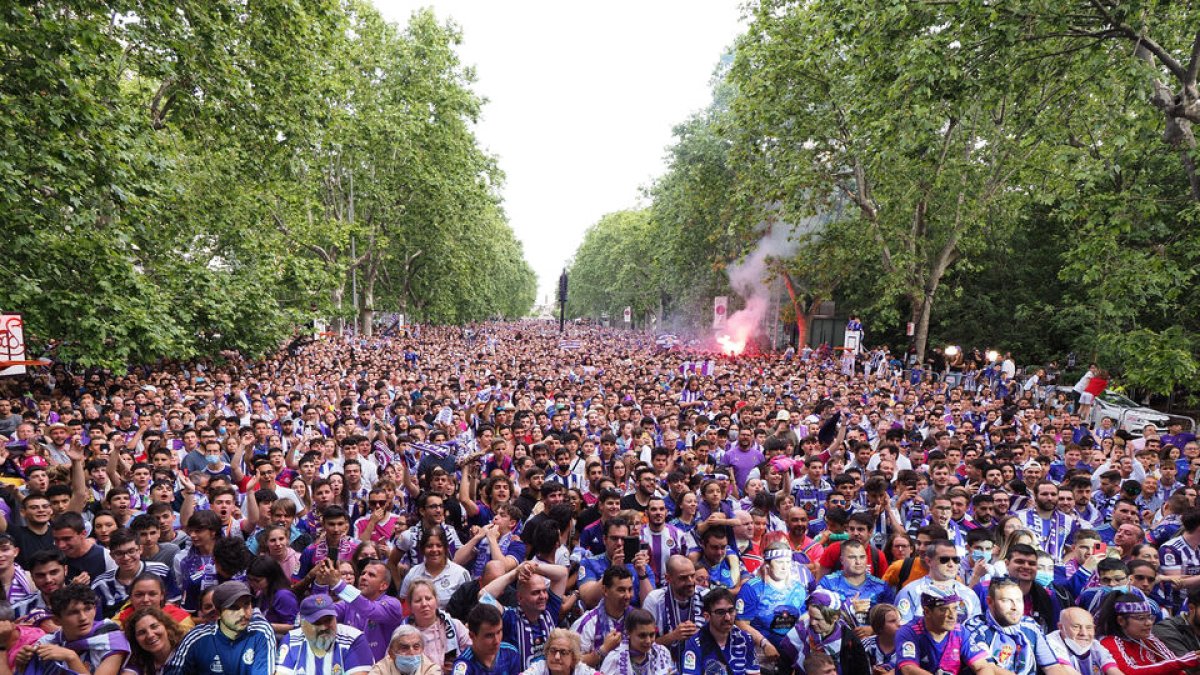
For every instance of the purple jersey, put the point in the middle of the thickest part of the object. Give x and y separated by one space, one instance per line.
915 646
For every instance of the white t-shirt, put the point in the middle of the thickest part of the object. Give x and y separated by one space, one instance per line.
444 584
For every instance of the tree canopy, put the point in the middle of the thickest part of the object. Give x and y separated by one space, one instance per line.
1018 176
177 179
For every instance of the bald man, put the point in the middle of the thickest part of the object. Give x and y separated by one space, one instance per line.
676 607
1075 641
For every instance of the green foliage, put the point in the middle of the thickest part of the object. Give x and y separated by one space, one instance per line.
175 178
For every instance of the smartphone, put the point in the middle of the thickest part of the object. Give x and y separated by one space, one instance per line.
631 547
1101 548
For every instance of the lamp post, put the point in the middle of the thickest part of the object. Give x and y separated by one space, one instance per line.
562 301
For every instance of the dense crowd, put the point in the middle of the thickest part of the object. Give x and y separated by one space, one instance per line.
494 499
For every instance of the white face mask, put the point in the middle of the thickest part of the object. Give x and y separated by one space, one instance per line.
1077 648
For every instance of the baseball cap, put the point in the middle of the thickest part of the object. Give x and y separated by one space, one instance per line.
783 416
317 607
228 593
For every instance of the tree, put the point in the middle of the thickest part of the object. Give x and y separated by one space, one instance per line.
897 117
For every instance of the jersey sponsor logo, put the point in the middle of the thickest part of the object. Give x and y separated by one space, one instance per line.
741 606
460 668
216 665
909 651
689 661
1168 558
903 605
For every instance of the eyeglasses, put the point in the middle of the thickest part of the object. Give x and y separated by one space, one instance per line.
727 611
943 559
126 553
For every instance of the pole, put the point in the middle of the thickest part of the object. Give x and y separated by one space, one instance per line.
562 301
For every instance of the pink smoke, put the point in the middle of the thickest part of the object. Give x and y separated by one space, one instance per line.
748 278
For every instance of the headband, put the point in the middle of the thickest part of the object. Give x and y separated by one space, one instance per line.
1134 608
777 553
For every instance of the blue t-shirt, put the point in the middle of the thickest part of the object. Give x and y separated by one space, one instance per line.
873 588
772 611
702 655
507 662
1022 654
591 568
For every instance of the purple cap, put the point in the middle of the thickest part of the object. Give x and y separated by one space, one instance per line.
317 607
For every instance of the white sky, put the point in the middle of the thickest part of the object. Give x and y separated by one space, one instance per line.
582 97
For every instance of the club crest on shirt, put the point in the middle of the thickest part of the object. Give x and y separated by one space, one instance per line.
248 657
1006 653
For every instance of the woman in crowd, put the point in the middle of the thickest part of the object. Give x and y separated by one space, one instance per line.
564 656
884 620
404 656
153 637
1125 619
443 637
273 594
279 550
685 512
103 525
445 574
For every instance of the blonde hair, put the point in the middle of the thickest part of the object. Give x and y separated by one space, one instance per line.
574 642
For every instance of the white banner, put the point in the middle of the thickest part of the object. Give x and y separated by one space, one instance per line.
720 311
12 343
628 315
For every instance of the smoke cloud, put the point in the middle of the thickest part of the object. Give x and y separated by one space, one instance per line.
748 279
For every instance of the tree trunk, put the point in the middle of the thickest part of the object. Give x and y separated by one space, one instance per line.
921 313
367 327
339 296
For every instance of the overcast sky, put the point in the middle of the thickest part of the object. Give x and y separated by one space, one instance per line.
582 99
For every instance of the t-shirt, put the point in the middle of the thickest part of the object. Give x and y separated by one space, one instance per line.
30 542
507 662
771 610
95 562
736 656
350 654
951 654
1024 653
831 559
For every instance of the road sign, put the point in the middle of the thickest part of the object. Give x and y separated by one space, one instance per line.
628 315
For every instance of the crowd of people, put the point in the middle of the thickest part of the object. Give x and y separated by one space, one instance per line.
496 499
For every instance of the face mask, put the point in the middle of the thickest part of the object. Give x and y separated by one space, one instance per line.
212 459
408 663
1119 589
985 556
1044 578
1077 648
733 435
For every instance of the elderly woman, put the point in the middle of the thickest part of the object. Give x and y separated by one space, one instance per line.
404 656
564 656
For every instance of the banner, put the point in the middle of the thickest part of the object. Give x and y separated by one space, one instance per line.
628 315
720 310
12 343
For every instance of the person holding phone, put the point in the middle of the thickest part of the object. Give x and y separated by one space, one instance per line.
592 567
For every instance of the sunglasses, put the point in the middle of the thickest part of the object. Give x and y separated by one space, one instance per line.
376 504
943 559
